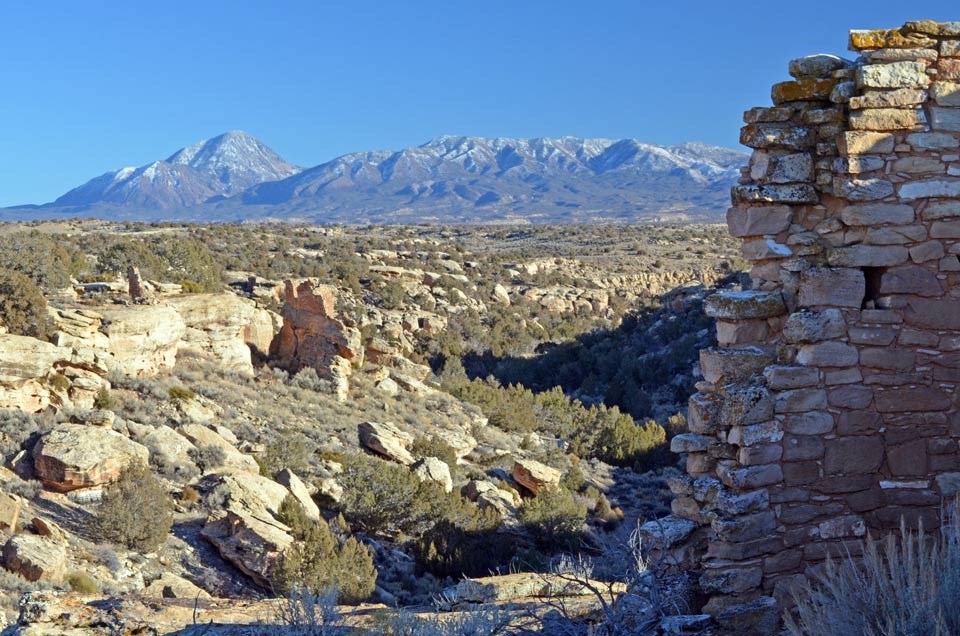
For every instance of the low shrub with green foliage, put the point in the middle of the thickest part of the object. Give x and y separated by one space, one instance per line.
136 510
81 583
316 561
177 393
23 309
554 517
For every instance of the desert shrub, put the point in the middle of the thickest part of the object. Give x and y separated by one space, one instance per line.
81 583
189 495
47 261
554 518
573 479
288 450
177 393
306 378
434 446
387 499
136 510
618 440
306 613
19 430
906 584
466 544
23 309
26 488
480 621
207 457
104 399
317 562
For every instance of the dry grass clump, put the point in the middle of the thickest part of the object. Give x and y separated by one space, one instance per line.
907 584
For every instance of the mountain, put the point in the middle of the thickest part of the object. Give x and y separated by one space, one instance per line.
235 177
220 167
499 179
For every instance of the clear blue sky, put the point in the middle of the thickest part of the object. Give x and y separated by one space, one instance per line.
93 85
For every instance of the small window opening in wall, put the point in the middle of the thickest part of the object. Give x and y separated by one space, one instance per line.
872 276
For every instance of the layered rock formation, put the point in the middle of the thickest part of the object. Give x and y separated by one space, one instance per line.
313 335
830 408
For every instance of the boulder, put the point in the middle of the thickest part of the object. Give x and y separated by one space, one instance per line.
487 495
24 363
73 456
433 469
35 558
387 440
298 489
171 448
9 511
233 459
170 585
250 494
535 476
253 544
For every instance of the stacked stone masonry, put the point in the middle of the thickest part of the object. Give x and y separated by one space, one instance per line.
830 408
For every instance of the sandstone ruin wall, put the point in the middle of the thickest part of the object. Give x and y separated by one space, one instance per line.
830 408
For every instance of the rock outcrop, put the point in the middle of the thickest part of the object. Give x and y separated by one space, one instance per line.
35 558
314 336
387 440
535 476
73 456
224 327
143 339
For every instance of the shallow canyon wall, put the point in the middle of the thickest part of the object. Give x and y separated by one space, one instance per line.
830 408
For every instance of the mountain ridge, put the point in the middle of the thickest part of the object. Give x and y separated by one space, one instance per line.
452 178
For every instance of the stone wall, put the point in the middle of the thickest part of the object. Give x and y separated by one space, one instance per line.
830 409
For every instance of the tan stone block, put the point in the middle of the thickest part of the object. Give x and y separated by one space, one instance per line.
763 115
810 423
914 399
945 118
893 75
857 164
946 93
867 256
877 214
911 279
777 136
802 90
886 358
741 332
933 141
888 38
865 143
895 235
949 69
862 189
950 48
945 229
888 119
919 165
931 27
828 354
895 98
935 210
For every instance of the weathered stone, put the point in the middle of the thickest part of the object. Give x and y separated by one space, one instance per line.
867 256
887 119
722 366
788 193
921 398
802 448
746 405
751 477
814 326
853 455
754 434
862 189
777 136
930 188
933 314
889 99
866 143
810 423
744 305
784 377
73 456
781 168
143 339
759 617
170 585
298 489
802 90
691 443
915 280
827 354
760 220
535 476
820 65
255 545
387 440
888 39
933 141
877 214
856 165
909 459
9 511
433 469
772 114
666 532
837 287
945 229
935 210
730 580
945 118
763 249
893 75
35 558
